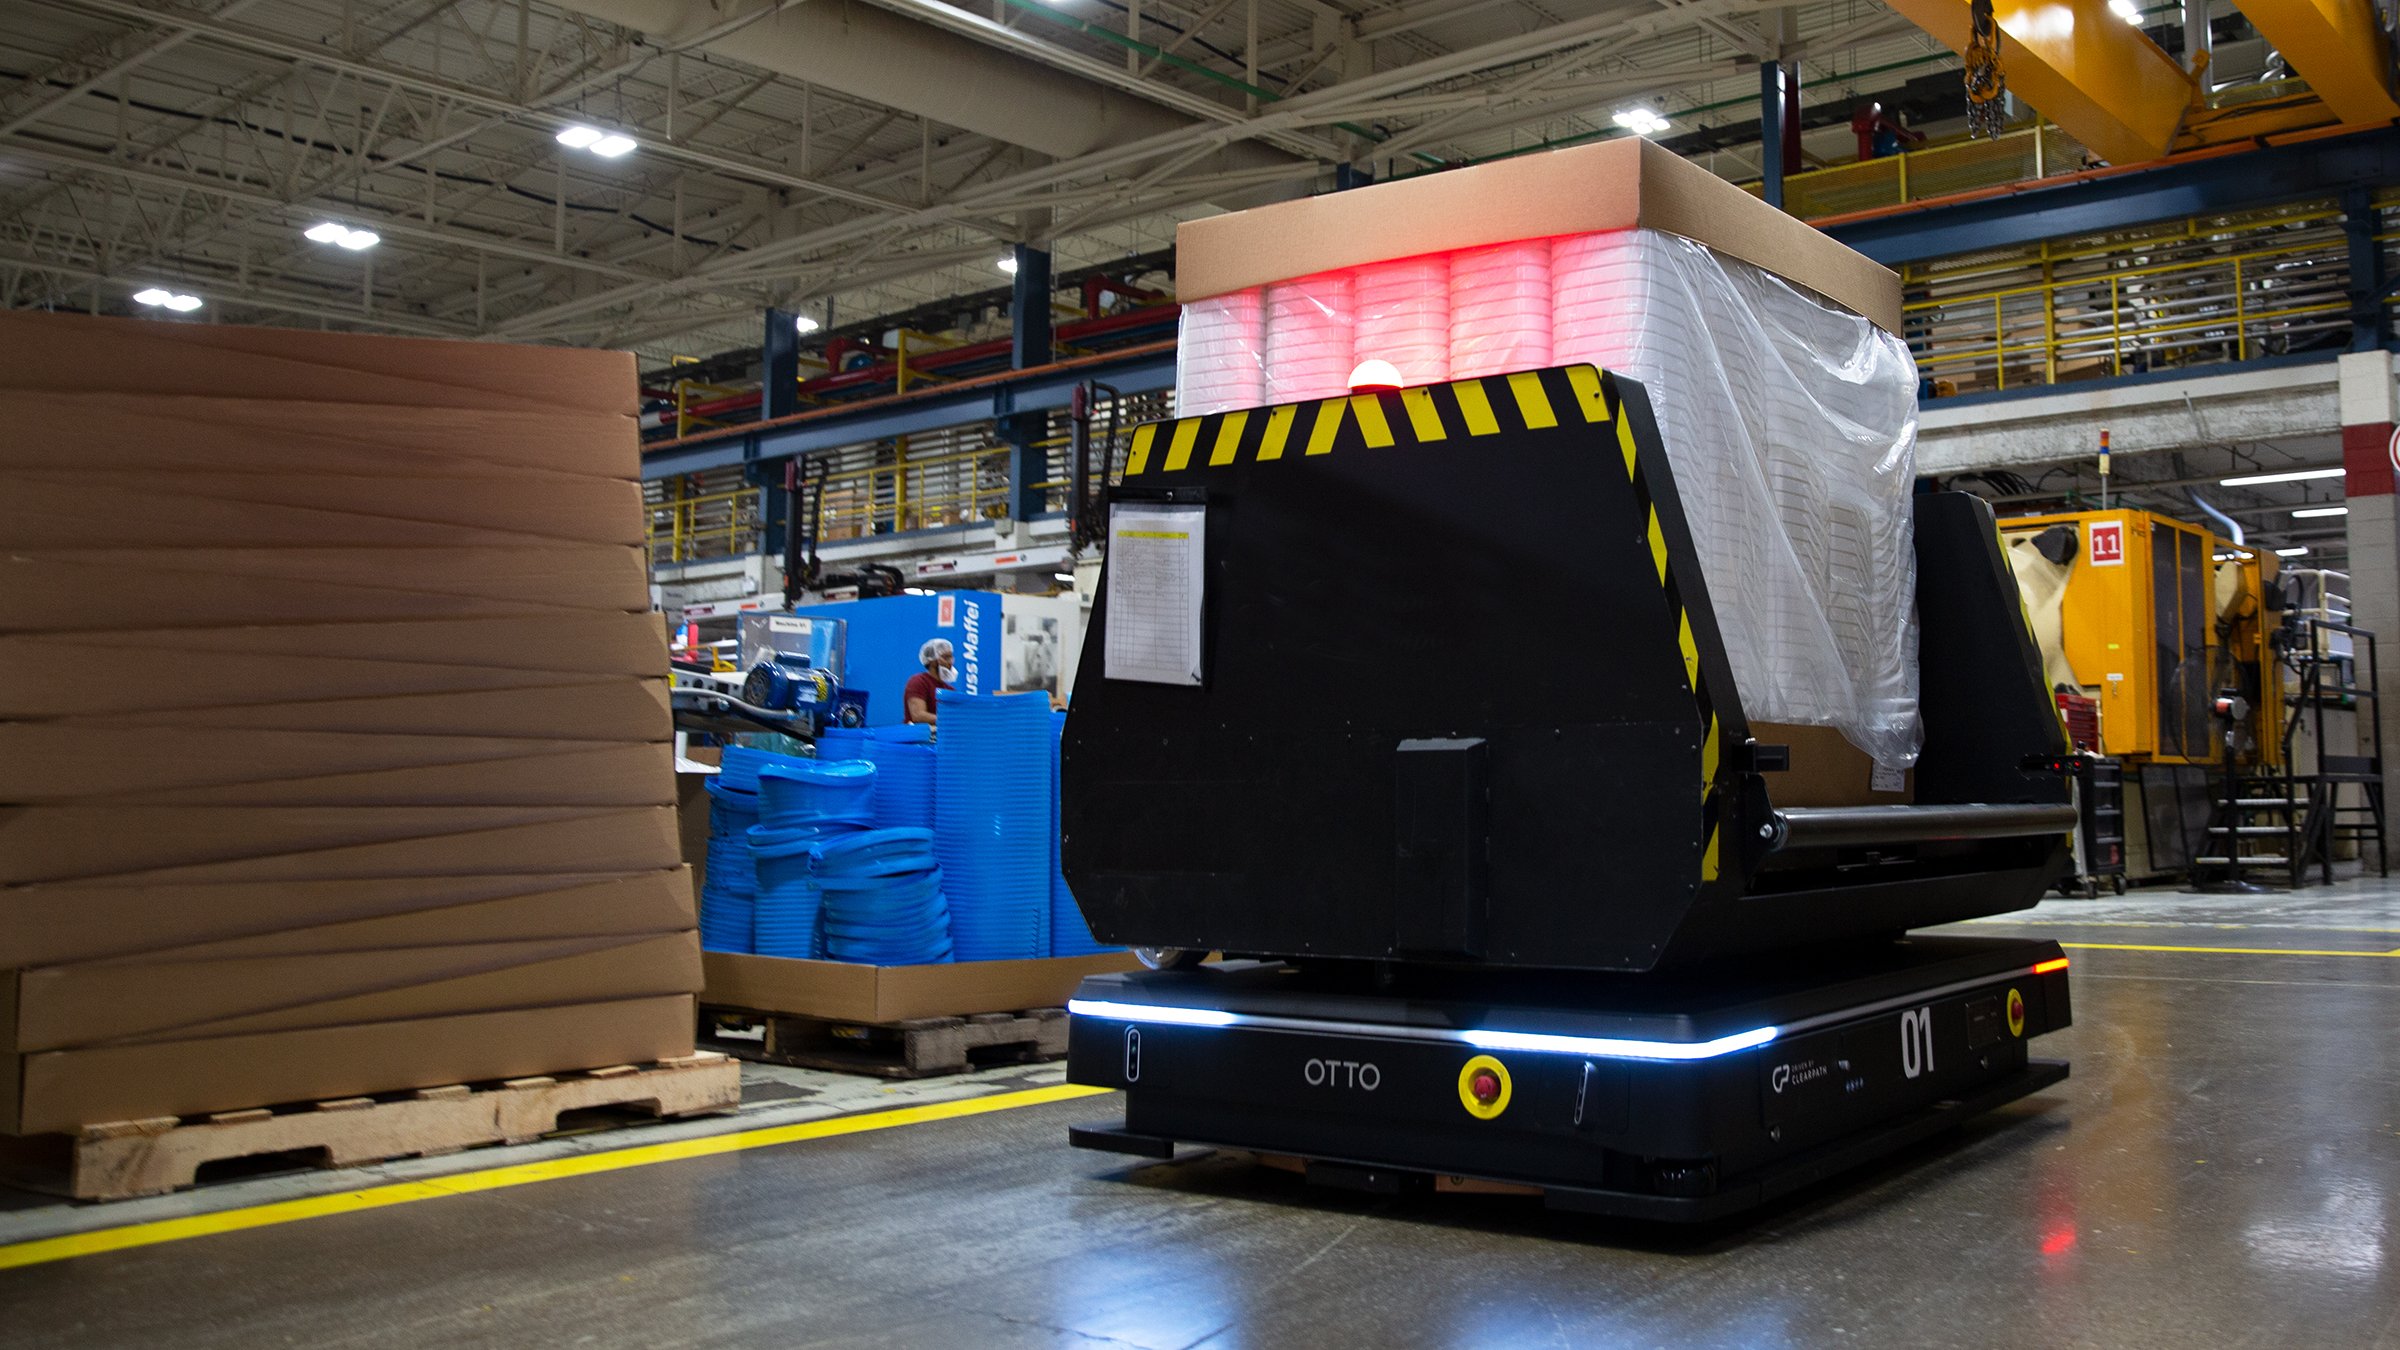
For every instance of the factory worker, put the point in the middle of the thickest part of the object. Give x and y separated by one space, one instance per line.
917 698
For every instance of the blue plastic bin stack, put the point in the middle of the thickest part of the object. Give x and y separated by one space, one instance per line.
883 900
729 890
842 743
994 831
802 803
1069 934
903 757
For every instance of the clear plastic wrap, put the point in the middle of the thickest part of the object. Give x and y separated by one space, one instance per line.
1791 424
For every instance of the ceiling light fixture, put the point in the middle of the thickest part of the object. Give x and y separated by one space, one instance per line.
805 324
1008 264
174 300
1642 121
2306 512
333 232
605 144
2287 476
2293 552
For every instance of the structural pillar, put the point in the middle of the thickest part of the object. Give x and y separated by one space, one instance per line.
2370 321
1029 346
779 365
1772 141
779 396
2369 400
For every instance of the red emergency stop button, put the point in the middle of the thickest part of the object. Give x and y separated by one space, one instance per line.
1483 1087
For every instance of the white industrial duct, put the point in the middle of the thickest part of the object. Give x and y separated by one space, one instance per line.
883 58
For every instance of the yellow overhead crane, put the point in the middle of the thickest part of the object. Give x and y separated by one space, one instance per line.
2104 82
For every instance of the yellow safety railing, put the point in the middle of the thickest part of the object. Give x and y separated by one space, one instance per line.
916 492
2190 293
686 525
1967 164
1936 170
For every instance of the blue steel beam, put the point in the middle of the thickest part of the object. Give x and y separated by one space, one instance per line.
1771 167
2320 167
1029 347
1141 370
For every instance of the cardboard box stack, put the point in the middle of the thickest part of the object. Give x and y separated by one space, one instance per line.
334 745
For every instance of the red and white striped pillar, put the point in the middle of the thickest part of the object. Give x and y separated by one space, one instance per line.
2370 405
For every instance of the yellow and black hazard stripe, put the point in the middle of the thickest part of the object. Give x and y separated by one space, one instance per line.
1463 410
1639 470
1467 410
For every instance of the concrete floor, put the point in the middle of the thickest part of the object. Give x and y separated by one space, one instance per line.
2222 1170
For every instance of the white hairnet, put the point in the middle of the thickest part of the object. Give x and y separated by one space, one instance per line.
934 652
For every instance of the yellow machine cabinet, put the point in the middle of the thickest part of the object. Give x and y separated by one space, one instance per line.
2124 604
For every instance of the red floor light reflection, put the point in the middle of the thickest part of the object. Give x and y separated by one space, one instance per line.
2059 1239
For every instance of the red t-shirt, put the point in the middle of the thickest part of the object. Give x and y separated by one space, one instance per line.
920 686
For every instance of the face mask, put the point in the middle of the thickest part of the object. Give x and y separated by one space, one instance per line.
948 673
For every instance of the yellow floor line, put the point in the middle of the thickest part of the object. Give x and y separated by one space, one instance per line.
2224 951
70 1245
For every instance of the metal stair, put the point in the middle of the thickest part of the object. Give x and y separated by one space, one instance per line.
2305 816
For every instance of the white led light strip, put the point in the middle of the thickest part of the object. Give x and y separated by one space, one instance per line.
1597 1047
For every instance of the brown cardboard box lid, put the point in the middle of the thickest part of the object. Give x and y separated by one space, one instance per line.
76 354
98 1003
627 708
1610 185
49 510
58 924
840 989
48 762
68 1089
200 843
230 435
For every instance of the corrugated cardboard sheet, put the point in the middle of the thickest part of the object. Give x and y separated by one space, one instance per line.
333 727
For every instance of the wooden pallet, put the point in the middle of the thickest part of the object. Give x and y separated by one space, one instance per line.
125 1159
922 1047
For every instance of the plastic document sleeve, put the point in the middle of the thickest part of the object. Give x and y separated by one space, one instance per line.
1155 582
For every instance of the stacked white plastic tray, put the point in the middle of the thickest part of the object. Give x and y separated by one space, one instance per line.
1790 423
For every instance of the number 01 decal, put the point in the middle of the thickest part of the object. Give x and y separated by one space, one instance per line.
1916 1042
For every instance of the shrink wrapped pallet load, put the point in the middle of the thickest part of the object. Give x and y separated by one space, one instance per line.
1785 401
